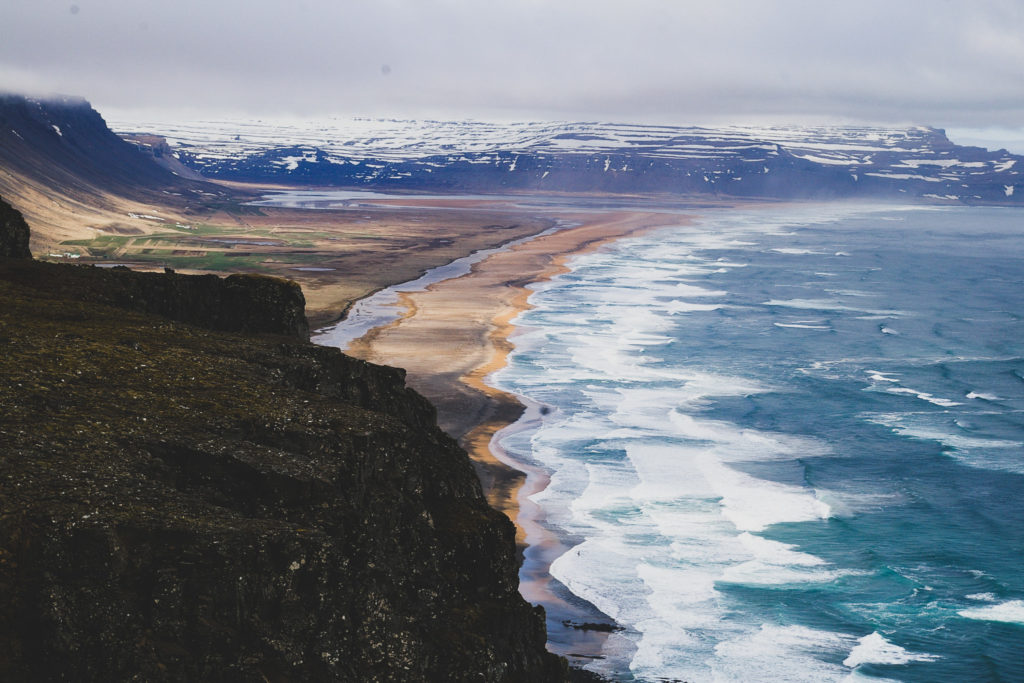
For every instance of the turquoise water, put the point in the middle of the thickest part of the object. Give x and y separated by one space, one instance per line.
789 443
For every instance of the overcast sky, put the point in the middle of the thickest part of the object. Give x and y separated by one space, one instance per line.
947 63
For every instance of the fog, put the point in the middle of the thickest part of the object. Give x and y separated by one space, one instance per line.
943 63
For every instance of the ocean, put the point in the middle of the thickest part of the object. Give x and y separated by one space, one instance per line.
787 443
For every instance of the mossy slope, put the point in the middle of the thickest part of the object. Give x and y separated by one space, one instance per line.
178 503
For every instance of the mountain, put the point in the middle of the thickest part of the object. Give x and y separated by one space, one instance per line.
65 143
62 166
779 162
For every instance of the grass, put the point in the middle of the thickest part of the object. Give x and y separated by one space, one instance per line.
101 247
213 260
157 248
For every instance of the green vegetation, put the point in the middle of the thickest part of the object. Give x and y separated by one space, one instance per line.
103 246
234 208
196 248
217 261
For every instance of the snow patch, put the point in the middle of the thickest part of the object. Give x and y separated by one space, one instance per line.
829 160
904 176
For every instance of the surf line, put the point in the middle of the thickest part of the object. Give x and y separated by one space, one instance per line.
575 628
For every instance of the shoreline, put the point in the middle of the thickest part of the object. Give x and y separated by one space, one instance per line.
466 323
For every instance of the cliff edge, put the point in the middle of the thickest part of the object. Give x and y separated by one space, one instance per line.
249 303
184 503
14 233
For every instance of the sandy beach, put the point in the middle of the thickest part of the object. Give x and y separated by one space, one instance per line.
455 333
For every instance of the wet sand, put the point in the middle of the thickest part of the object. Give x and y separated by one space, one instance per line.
451 336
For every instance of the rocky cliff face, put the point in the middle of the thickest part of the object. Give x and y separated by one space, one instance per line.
14 233
238 303
178 503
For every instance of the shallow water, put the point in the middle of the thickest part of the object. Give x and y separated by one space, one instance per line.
383 307
790 443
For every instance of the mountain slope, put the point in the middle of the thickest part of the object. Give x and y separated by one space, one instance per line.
63 168
65 143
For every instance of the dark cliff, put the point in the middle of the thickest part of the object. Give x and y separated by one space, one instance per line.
238 303
14 233
179 503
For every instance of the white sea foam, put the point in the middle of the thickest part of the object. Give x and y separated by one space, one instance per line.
778 564
850 503
753 504
974 451
687 307
652 562
828 305
683 289
778 653
738 444
796 251
877 376
608 488
924 396
603 571
803 326
982 597
689 390
983 396
1011 612
934 433
875 649
668 503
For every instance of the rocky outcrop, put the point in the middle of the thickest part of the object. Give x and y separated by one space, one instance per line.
178 503
238 303
14 233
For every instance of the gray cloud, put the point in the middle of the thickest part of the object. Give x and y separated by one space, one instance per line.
946 63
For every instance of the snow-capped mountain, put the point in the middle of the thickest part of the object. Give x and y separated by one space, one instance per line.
595 157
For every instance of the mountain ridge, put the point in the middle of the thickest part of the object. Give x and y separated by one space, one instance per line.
772 162
68 173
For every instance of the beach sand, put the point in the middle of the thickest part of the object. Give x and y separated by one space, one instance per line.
455 333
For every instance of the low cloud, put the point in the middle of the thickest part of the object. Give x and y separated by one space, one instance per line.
945 63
